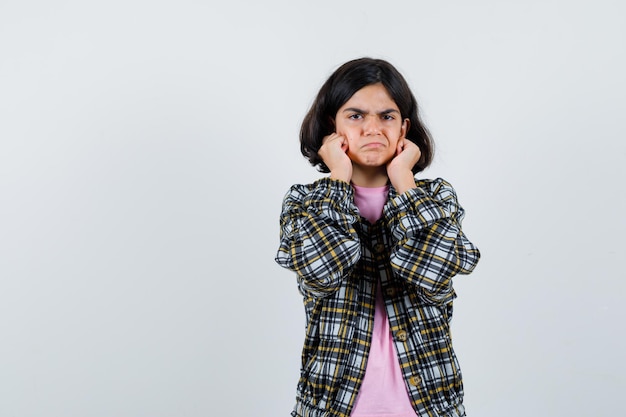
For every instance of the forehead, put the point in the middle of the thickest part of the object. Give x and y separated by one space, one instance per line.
371 97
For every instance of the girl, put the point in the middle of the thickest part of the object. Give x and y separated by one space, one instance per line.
374 250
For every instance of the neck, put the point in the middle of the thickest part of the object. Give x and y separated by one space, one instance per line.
374 177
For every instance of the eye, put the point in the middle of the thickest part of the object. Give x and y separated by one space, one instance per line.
387 117
355 116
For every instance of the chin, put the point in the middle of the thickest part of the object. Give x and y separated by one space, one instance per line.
374 164
372 161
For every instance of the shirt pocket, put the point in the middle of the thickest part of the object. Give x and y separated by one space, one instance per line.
438 363
442 375
327 351
324 370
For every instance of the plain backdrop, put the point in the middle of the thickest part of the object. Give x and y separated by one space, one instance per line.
145 147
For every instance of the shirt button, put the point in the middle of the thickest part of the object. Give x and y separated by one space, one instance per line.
379 248
415 380
401 335
390 291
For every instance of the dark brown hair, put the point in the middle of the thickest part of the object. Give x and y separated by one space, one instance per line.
337 90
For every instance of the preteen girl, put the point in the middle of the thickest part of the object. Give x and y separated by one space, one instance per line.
374 250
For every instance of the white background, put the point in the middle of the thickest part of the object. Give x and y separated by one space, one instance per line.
145 147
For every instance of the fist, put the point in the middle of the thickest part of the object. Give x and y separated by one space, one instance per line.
333 153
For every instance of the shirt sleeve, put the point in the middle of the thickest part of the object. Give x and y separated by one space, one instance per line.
429 247
318 239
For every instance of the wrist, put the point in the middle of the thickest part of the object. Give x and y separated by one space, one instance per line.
341 174
404 183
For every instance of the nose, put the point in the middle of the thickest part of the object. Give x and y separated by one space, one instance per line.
372 125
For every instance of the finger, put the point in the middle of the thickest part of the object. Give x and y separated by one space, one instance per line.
339 140
400 146
327 138
335 137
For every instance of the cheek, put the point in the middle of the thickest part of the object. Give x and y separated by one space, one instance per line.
340 125
393 133
394 138
351 136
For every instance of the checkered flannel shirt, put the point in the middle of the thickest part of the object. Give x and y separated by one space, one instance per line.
414 250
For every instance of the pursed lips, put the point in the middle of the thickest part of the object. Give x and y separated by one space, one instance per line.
373 145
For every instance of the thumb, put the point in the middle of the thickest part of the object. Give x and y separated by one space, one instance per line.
400 146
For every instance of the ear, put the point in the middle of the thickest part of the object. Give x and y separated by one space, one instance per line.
406 125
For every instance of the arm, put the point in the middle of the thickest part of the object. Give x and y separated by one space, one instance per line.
429 247
317 236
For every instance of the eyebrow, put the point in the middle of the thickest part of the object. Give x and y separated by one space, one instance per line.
356 110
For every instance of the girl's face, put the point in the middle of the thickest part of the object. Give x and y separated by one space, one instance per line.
372 124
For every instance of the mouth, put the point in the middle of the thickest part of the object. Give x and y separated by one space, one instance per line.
373 145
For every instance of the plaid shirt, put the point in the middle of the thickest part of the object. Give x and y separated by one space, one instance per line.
414 250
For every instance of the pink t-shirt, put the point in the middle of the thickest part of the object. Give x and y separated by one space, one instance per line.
383 391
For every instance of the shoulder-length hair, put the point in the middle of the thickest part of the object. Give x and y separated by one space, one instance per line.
350 77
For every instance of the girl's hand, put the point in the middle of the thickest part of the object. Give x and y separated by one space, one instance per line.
399 169
333 153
